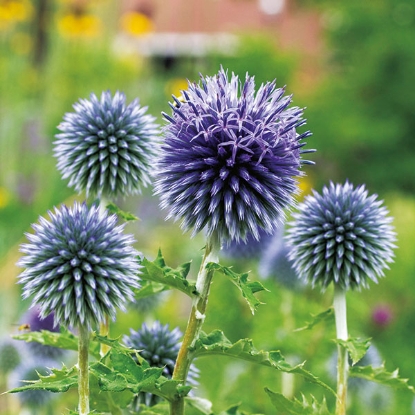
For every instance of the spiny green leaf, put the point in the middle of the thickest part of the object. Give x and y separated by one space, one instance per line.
127 216
157 271
108 402
58 381
63 340
123 373
356 347
247 288
318 318
381 375
295 407
149 288
217 343
115 344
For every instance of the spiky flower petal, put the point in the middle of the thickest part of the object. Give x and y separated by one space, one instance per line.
342 236
231 157
106 147
159 346
79 265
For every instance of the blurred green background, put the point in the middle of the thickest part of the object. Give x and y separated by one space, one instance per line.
358 90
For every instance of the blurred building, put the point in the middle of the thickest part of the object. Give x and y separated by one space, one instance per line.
189 21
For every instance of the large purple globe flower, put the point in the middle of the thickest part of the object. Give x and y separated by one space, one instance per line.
231 157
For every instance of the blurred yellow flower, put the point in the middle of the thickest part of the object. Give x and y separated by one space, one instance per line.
305 185
4 197
82 25
175 86
136 24
14 12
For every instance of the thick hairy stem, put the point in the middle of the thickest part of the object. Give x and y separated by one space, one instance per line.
339 305
83 370
196 318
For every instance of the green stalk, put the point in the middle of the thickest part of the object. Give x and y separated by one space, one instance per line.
196 318
339 304
83 370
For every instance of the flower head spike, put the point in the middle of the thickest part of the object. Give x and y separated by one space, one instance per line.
106 147
231 157
79 265
342 236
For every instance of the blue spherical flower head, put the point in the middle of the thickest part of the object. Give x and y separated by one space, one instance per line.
106 147
342 236
79 265
230 157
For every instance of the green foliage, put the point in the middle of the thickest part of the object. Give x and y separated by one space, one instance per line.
127 216
361 112
356 347
216 343
318 318
381 375
295 407
247 288
158 272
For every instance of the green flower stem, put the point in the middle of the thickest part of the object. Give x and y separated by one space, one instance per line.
83 370
197 316
339 304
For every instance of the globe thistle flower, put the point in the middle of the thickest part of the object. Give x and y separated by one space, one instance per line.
159 346
36 323
342 236
79 265
106 147
230 157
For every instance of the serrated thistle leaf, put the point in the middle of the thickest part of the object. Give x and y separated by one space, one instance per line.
60 380
157 271
295 407
149 288
382 376
127 216
356 347
217 343
247 288
67 340
107 402
126 374
318 318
